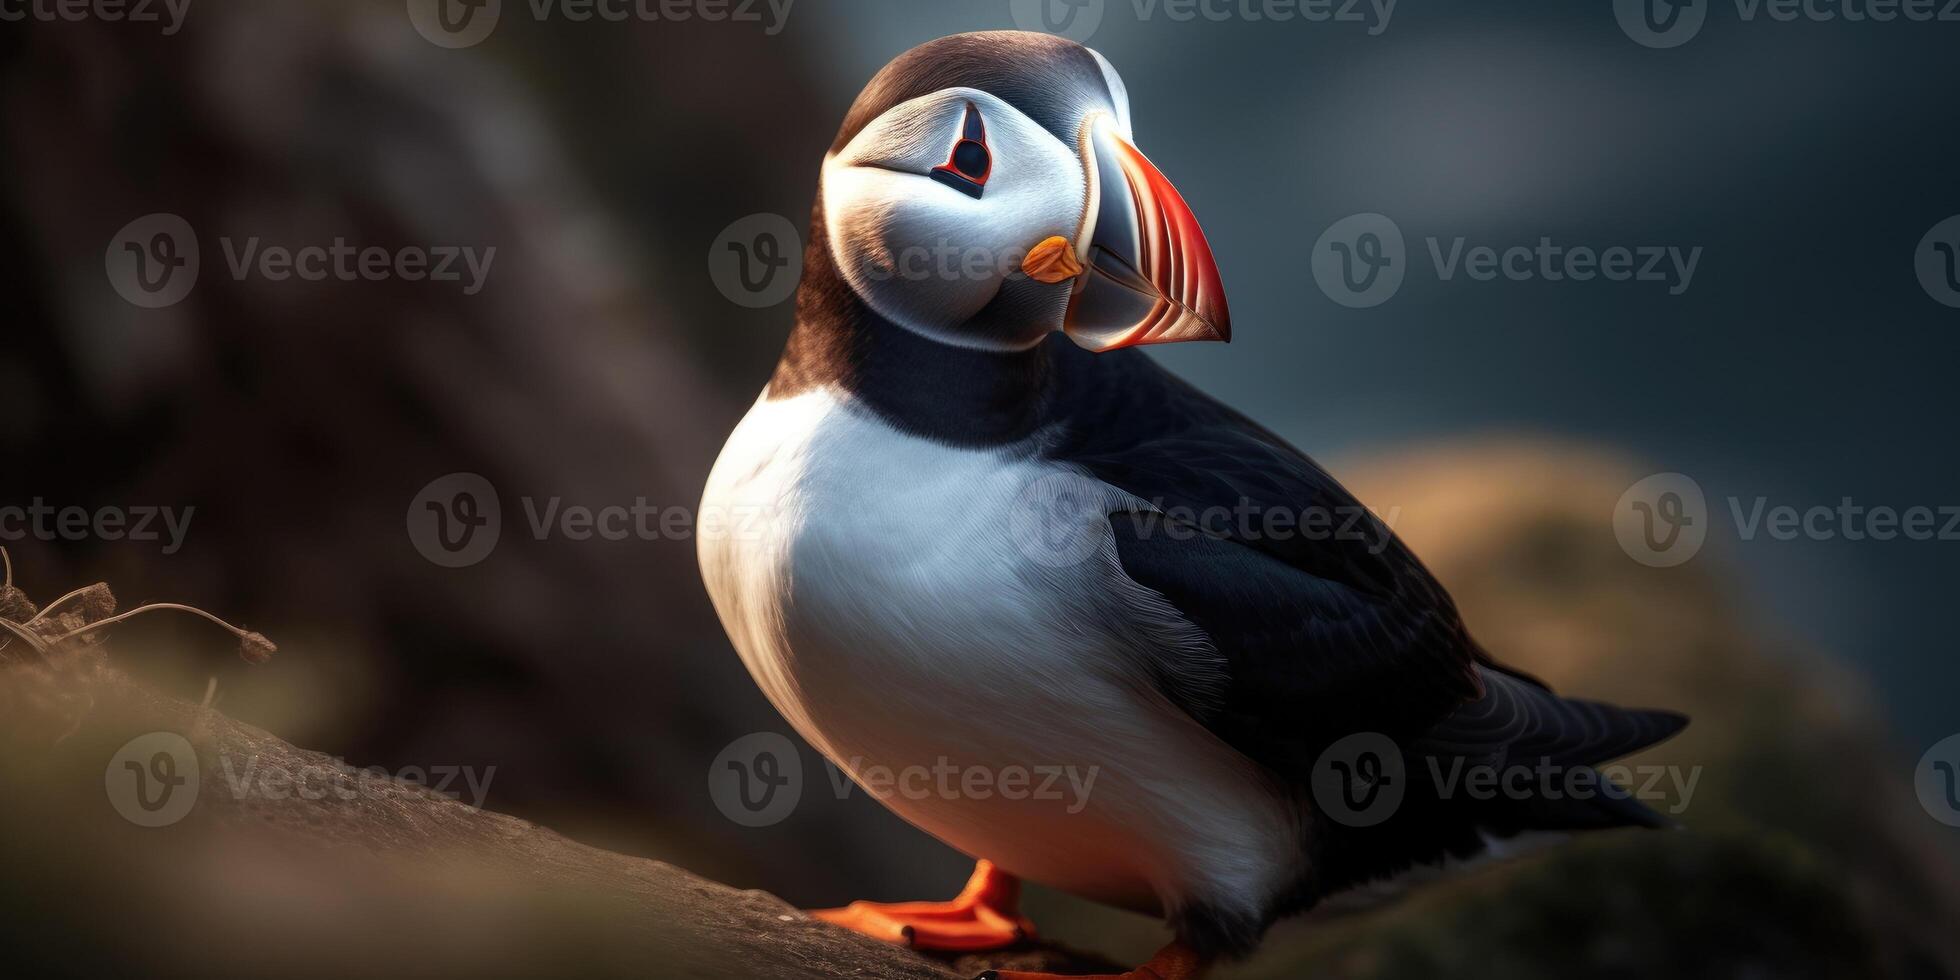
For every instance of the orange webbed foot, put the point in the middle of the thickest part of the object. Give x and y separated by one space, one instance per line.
985 915
1174 962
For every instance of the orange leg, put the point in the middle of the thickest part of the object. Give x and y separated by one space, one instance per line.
1174 962
986 915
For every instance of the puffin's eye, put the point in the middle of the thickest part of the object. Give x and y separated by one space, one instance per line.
967 167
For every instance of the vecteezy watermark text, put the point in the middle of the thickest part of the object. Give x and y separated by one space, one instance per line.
1375 14
945 779
1064 519
1673 786
757 781
1845 520
354 263
772 14
1672 23
1078 20
465 23
43 521
335 780
1249 520
169 13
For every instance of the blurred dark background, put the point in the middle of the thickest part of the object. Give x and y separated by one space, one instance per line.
600 364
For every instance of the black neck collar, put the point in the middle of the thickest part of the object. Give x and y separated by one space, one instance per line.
931 389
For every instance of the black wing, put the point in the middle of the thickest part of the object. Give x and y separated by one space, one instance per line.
1327 629
1327 624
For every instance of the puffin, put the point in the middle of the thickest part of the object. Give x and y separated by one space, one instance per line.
968 526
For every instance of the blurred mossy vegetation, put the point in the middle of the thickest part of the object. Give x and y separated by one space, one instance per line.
1630 906
1804 852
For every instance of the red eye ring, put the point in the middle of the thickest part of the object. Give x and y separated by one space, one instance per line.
970 163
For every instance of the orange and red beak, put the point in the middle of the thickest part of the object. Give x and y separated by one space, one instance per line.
1148 275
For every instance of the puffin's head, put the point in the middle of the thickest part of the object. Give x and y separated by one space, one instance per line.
984 191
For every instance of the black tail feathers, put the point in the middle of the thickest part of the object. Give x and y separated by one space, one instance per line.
1546 752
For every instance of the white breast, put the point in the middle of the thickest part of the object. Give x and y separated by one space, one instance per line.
886 595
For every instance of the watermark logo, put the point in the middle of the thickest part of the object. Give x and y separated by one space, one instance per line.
1661 23
1076 20
1662 520
1359 261
1937 781
455 521
1060 520
455 23
152 781
153 261
757 780
757 261
1937 262
1360 780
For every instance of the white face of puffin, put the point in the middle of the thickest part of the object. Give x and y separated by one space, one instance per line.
934 207
930 248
